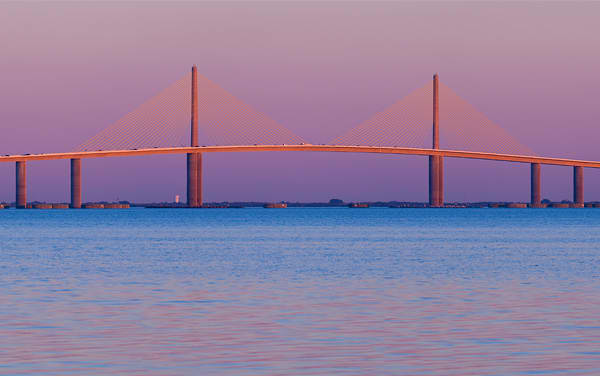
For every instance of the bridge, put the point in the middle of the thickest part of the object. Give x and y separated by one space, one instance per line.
224 116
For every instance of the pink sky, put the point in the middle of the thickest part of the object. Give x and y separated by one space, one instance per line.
70 69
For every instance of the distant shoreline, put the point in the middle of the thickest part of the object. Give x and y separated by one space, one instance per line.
341 204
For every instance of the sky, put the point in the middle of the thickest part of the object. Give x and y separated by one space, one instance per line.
68 70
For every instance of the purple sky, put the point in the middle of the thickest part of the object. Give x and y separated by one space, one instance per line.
71 69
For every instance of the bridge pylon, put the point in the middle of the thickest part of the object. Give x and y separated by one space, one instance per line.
194 160
436 163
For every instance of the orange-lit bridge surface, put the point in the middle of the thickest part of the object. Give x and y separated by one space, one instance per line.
222 119
535 161
305 147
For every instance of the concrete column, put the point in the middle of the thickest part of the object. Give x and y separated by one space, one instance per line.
76 183
199 179
436 112
434 176
441 181
21 185
192 180
436 164
194 161
578 185
536 187
194 114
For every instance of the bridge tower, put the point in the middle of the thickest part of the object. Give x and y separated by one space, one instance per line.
436 163
194 160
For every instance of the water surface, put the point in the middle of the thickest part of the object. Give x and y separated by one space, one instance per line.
300 291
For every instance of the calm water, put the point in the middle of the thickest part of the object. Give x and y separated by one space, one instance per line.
332 291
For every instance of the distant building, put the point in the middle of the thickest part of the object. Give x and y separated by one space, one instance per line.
177 199
336 201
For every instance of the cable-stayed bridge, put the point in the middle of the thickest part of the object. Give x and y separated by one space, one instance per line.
195 116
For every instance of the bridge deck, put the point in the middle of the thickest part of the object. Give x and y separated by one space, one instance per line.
305 147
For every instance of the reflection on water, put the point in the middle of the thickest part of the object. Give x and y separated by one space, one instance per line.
300 292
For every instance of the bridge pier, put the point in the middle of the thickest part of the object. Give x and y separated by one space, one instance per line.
21 185
536 187
192 180
199 179
436 162
436 181
76 183
441 181
194 160
433 176
578 186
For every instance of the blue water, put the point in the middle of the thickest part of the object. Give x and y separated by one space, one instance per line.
300 291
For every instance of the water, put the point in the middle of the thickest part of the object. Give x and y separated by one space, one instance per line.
300 291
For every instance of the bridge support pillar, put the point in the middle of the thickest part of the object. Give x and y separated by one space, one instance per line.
536 187
578 186
436 181
199 179
436 163
192 180
76 183
441 181
21 185
194 160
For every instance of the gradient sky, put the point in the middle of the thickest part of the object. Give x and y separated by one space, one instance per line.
69 69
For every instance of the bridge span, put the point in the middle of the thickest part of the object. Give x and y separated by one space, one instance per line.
76 157
194 154
304 147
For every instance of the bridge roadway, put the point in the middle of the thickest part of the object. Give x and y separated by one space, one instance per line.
304 147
